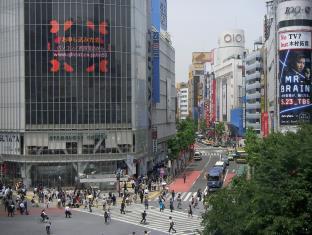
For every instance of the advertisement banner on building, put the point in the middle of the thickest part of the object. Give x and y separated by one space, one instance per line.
265 124
201 57
295 86
9 143
294 40
213 100
163 15
156 78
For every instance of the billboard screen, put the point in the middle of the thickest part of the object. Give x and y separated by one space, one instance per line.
77 62
295 86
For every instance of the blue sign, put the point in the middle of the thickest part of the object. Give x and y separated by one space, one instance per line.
237 120
156 76
159 14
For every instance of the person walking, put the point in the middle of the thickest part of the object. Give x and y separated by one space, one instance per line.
106 216
171 205
190 211
122 207
179 200
171 224
173 194
184 177
143 220
161 206
146 203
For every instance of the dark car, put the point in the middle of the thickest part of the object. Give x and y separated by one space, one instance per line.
225 159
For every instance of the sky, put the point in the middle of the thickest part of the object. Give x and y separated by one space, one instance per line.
194 25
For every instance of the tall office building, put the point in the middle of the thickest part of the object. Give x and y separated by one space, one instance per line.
73 88
182 101
287 33
253 66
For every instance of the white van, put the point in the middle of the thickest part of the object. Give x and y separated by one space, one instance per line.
197 155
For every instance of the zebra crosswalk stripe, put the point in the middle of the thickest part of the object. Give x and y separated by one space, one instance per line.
156 220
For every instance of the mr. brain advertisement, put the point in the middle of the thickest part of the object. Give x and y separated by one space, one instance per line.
78 46
295 86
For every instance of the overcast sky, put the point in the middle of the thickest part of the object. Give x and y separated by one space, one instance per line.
195 25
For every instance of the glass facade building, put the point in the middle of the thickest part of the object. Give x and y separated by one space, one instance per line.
73 87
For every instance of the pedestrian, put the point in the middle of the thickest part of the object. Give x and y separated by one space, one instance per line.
11 209
143 220
171 205
22 207
106 217
199 194
90 206
173 194
184 177
67 212
161 206
122 207
146 203
179 200
171 224
141 196
193 201
190 211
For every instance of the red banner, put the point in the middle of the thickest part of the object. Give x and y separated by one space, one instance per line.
213 101
265 124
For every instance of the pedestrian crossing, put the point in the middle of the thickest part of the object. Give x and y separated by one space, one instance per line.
155 219
185 196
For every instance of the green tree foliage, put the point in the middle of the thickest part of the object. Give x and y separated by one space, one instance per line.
219 130
278 197
184 138
203 126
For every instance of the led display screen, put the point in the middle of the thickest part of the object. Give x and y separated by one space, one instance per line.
77 62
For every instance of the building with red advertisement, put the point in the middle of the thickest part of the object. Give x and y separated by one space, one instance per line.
75 89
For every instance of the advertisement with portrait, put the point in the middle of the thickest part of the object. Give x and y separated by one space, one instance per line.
295 78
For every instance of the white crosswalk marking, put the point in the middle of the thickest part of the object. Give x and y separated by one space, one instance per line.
155 219
185 196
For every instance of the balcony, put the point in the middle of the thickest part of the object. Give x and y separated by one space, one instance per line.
255 95
253 55
255 105
254 76
255 65
253 116
255 126
253 86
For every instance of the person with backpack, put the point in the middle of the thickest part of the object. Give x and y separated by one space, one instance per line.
171 224
144 214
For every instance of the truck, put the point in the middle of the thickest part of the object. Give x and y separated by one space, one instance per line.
215 179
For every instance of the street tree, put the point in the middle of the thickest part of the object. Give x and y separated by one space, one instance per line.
277 199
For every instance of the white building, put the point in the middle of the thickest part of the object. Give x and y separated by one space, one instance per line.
182 101
253 90
228 74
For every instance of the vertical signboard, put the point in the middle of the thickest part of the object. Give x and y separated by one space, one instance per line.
163 15
156 78
213 100
295 77
265 124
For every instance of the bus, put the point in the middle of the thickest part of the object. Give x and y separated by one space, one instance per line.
215 179
241 156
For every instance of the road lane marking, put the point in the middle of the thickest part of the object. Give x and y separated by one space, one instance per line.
187 196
